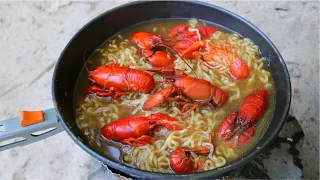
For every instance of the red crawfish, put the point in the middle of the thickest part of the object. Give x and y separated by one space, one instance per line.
113 79
149 44
192 93
134 131
183 38
238 128
218 57
181 161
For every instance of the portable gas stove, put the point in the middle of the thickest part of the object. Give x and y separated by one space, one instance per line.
281 160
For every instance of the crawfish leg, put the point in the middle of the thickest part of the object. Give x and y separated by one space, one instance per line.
200 165
178 97
109 92
191 105
105 93
201 57
239 130
114 63
140 141
211 137
246 136
119 94
169 70
113 91
241 137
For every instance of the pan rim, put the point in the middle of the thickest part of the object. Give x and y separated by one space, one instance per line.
215 172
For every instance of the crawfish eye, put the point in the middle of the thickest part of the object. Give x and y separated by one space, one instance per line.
187 153
213 103
153 122
155 42
240 120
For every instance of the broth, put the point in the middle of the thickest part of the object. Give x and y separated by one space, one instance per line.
94 112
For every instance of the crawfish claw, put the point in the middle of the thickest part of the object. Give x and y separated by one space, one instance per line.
158 97
194 47
140 141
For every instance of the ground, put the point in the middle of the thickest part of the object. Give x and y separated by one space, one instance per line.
33 35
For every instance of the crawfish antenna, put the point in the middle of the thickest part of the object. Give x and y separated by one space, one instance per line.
84 60
179 57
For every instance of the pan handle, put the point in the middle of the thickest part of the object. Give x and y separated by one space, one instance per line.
12 134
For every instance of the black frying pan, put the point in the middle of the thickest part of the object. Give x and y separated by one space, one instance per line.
109 23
